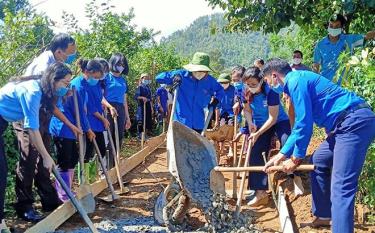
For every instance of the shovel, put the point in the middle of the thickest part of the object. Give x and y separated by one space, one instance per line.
144 126
234 147
116 157
74 201
243 179
88 200
208 119
113 195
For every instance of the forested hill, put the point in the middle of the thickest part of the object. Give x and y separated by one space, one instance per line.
226 49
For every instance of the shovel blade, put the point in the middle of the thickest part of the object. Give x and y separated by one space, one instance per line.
109 198
86 199
217 182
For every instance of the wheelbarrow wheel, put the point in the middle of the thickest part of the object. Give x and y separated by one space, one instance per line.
164 198
174 213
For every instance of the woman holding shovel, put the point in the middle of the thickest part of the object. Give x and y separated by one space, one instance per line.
21 99
64 138
143 97
97 121
264 110
116 88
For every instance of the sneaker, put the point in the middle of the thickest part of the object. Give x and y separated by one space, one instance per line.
259 200
4 228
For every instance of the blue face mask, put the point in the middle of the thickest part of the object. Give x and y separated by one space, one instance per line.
163 85
146 82
71 58
278 88
61 91
238 85
92 81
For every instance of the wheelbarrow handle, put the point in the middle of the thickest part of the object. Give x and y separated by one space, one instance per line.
304 167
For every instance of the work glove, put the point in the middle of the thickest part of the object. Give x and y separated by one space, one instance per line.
177 80
214 102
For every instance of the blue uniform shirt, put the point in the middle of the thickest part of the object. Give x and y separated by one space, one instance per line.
260 103
115 88
193 96
58 128
145 91
226 104
162 93
326 53
94 104
21 101
40 64
316 100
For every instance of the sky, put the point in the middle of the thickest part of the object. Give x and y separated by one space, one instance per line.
166 16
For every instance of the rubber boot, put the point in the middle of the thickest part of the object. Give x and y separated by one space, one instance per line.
101 172
60 191
90 171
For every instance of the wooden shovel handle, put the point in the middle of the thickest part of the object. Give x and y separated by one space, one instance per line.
304 167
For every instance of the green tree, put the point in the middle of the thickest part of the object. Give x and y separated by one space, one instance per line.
273 15
227 49
12 6
23 36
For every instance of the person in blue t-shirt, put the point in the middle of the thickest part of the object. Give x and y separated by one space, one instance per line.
162 100
116 89
20 99
64 138
266 116
328 50
143 97
30 171
236 75
224 110
98 123
197 91
339 159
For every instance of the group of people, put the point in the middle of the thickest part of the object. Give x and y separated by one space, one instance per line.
46 103
312 96
45 106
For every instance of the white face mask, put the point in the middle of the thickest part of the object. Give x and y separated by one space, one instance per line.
334 31
199 74
254 90
120 69
225 85
297 61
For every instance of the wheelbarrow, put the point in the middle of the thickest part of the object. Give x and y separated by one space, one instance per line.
191 158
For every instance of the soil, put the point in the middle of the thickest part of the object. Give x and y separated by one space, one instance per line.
138 205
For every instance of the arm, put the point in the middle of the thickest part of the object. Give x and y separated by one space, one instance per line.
273 112
298 141
57 113
127 120
317 59
110 107
167 77
37 141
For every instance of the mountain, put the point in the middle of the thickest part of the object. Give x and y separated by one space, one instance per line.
226 49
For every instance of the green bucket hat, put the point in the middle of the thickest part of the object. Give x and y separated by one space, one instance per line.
224 78
200 62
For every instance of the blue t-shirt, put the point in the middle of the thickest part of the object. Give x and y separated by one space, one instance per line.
94 104
115 88
260 104
21 101
193 96
226 104
326 53
162 93
316 100
66 105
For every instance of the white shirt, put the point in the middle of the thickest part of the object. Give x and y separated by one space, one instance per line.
40 64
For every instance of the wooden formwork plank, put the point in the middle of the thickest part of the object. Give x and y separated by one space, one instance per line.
285 222
66 210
